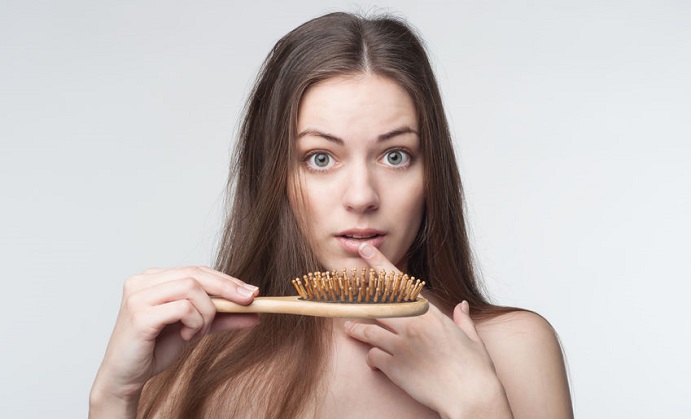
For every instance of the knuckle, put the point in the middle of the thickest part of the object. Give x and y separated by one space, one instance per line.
366 332
208 316
186 307
354 328
207 309
130 284
139 321
229 288
415 330
131 302
373 360
189 284
191 271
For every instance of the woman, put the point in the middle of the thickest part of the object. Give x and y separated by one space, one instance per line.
344 159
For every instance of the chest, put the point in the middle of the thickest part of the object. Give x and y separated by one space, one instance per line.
351 389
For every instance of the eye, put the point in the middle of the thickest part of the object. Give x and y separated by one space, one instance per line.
319 160
396 158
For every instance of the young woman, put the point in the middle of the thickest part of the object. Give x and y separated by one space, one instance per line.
344 160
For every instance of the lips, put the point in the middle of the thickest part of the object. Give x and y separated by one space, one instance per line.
351 239
360 236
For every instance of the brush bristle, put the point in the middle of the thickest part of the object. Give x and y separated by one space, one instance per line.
365 286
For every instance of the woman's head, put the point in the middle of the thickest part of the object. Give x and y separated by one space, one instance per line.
359 176
383 64
342 47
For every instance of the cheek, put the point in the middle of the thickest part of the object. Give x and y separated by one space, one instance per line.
411 201
307 203
414 210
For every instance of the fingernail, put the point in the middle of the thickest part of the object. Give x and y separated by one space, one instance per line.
348 325
247 290
366 250
465 307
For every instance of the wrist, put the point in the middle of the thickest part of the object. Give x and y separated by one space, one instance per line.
489 401
109 404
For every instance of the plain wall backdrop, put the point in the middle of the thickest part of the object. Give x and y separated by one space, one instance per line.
573 130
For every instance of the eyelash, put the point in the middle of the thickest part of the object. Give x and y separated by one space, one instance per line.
408 158
313 167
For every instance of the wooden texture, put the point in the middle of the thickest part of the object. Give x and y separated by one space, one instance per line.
293 305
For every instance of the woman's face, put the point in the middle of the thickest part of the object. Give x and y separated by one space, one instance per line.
360 173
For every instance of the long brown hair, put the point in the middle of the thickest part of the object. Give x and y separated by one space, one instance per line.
228 374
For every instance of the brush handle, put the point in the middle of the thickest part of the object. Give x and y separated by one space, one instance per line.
293 305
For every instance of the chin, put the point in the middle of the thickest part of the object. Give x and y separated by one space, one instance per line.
347 263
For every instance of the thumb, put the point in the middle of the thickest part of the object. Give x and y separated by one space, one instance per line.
375 258
461 316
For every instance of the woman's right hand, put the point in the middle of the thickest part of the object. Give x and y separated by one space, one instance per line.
162 310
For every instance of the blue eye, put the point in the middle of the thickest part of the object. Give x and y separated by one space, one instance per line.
319 160
396 158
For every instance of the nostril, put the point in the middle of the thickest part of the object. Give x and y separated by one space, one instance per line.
361 195
363 204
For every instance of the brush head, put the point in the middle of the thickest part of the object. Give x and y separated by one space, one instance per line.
364 286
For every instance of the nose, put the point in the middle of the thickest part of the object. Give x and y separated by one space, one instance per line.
361 191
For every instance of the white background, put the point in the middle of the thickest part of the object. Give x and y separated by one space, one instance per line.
572 121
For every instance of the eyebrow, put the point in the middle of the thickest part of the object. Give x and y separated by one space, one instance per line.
382 137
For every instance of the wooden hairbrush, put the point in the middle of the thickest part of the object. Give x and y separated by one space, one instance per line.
360 294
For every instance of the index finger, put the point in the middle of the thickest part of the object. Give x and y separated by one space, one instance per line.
213 282
396 324
376 259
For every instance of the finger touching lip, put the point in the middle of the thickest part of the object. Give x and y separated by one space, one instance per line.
352 243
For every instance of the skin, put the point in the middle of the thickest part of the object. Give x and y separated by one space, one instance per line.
359 173
347 183
508 366
162 310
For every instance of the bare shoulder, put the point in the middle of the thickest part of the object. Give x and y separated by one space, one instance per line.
528 358
522 344
518 327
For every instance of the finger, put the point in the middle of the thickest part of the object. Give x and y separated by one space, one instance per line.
153 320
222 274
398 324
213 283
152 270
378 359
375 258
461 316
371 334
193 271
182 289
142 305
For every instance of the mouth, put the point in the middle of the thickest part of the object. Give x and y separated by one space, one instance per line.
351 240
359 236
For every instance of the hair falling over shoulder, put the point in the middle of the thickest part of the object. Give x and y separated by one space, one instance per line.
263 370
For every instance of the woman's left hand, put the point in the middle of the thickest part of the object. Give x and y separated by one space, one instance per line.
440 362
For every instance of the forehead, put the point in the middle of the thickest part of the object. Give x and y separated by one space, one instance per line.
363 104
